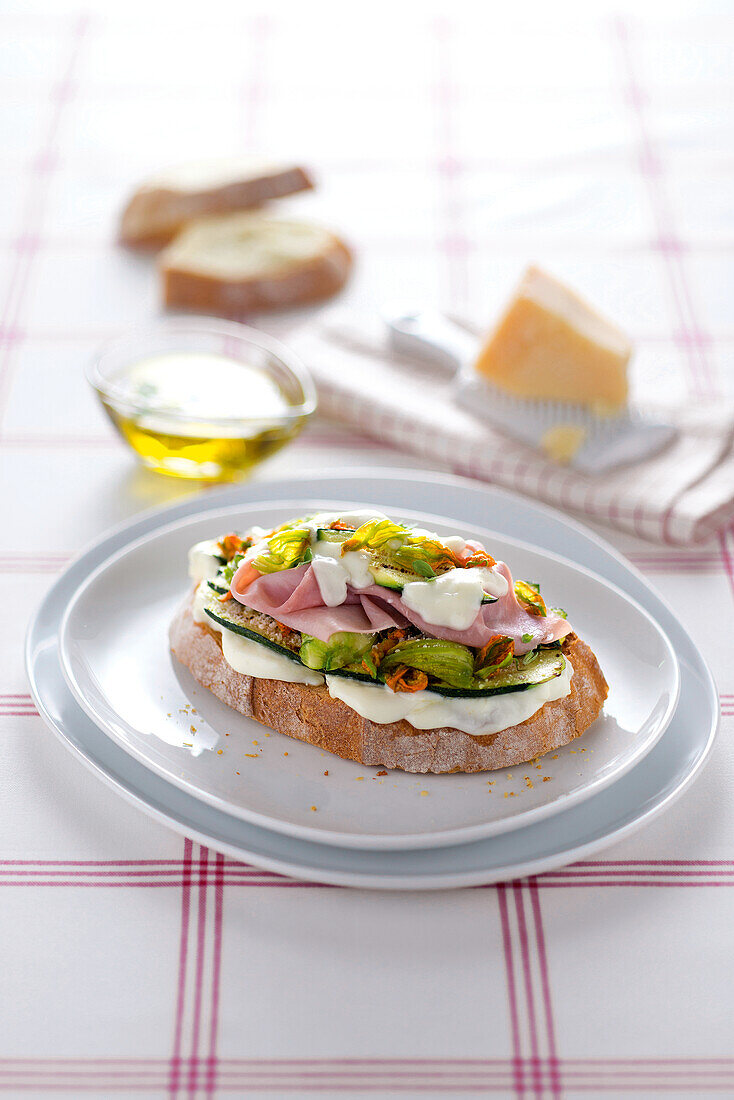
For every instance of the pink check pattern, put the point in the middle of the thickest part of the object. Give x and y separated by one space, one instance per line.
135 963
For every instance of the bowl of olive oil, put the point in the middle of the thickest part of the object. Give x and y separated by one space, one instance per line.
200 398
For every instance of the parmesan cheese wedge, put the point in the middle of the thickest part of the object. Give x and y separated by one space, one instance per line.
551 345
563 442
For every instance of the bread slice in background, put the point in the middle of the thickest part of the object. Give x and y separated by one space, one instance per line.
244 263
163 205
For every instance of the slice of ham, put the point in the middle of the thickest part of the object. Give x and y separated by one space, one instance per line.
293 598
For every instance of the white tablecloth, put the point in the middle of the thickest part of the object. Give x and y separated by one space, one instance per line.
452 143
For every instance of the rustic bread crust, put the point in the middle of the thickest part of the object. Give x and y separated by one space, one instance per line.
310 714
155 213
311 281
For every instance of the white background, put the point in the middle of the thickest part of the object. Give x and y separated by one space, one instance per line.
452 143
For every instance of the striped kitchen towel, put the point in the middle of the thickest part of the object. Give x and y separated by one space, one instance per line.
682 496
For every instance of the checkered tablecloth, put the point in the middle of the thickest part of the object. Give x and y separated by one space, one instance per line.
452 143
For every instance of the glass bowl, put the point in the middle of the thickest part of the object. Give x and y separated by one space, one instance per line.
200 398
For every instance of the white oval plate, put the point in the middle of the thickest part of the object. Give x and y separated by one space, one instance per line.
114 654
578 833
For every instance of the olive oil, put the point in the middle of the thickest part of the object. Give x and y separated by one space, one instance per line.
211 456
197 415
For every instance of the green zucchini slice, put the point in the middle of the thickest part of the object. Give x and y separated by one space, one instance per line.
253 625
352 672
445 662
547 665
391 576
326 534
343 648
217 585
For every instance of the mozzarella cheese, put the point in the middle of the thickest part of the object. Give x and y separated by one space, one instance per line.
426 710
204 560
551 345
253 659
454 598
334 571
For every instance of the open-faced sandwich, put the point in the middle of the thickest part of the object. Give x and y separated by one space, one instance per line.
385 644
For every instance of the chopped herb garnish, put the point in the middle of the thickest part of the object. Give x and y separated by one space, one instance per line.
527 638
228 571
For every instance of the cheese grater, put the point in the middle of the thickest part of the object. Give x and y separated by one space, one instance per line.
596 444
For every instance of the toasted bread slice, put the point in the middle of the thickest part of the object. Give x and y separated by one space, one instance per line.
310 714
162 206
244 263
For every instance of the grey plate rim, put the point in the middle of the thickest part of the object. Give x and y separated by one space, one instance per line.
401 841
332 484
